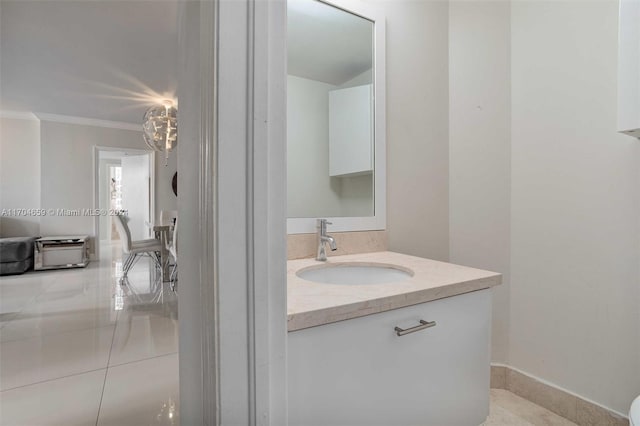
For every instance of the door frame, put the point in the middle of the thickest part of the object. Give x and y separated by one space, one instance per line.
232 210
96 185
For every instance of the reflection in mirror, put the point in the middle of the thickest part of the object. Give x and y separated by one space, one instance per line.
330 112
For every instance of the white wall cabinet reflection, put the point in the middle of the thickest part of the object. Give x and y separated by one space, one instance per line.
351 131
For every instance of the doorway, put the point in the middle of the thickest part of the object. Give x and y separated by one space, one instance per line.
124 182
110 176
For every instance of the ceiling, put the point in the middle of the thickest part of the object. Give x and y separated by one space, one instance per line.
327 44
111 60
107 59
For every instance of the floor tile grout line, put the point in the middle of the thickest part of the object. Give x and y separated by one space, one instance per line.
30 300
142 359
104 383
87 371
52 379
39 296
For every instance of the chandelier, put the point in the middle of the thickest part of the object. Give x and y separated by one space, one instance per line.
160 128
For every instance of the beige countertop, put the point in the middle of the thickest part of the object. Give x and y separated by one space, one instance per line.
310 304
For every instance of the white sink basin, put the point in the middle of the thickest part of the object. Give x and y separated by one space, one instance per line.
355 273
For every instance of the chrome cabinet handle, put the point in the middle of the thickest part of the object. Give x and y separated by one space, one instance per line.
423 324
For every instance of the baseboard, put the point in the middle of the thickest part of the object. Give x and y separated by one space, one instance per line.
560 401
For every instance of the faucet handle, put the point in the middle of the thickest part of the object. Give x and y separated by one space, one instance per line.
323 222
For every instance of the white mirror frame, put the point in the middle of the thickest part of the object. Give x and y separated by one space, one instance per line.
379 220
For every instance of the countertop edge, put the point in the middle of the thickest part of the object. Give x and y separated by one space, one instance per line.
302 320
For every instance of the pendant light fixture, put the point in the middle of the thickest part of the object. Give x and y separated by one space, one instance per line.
160 128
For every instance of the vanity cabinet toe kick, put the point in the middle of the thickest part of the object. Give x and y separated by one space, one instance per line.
426 364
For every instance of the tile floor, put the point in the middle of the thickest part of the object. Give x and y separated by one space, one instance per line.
78 349
508 409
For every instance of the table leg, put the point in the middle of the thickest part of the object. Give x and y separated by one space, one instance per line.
164 257
165 275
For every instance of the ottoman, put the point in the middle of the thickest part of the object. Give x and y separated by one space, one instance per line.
16 255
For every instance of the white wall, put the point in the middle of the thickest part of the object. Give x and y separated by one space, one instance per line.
356 195
19 175
165 198
417 126
480 148
571 304
575 298
67 172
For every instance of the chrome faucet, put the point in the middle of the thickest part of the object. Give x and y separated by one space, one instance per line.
323 239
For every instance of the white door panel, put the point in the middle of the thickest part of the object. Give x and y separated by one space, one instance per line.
135 194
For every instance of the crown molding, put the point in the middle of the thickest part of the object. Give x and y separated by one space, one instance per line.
83 121
69 119
18 115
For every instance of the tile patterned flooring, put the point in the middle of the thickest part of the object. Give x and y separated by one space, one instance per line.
78 349
508 409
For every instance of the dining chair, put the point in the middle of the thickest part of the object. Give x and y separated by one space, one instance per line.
136 249
167 216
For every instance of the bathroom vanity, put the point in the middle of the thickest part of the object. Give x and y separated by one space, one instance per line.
379 338
408 352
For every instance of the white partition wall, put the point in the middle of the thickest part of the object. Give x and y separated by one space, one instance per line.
232 251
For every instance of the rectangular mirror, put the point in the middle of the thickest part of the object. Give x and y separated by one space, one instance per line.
335 116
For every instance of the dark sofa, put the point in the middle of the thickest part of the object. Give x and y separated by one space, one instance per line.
16 255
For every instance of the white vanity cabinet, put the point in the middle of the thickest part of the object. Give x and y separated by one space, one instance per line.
360 372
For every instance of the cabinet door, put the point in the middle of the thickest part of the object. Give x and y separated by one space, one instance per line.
350 131
629 68
359 372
